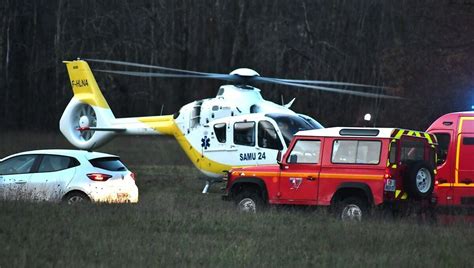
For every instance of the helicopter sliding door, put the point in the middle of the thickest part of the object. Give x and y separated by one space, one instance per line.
257 143
243 142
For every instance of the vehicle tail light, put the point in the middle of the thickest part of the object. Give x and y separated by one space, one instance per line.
388 173
133 176
98 176
390 184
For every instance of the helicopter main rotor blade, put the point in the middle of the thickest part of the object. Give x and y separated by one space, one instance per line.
331 83
257 79
328 89
124 63
225 77
245 80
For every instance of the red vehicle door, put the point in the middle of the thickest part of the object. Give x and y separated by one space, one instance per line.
299 177
464 187
445 165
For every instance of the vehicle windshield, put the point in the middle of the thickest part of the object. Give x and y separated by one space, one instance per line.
311 121
290 124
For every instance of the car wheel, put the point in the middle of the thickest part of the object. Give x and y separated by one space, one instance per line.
249 201
419 181
352 209
76 198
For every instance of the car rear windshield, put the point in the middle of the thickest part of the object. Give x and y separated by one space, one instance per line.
108 163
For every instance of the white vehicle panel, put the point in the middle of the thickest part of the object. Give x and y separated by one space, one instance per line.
55 184
14 186
49 185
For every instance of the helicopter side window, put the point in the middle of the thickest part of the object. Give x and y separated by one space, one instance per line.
244 133
220 131
268 137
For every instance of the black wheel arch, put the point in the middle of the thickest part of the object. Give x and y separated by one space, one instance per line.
248 182
72 192
347 189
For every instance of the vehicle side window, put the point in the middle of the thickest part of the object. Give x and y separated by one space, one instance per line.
468 141
305 152
356 152
412 150
52 163
267 136
393 153
244 133
443 146
220 131
17 165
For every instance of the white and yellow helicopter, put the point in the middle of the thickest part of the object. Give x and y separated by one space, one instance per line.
236 128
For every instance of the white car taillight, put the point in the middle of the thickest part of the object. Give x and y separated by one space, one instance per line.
98 176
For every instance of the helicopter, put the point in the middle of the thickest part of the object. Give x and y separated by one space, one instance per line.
236 128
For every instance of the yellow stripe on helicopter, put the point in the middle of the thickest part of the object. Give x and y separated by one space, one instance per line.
84 85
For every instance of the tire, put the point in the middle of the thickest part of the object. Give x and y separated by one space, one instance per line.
249 201
352 209
419 180
76 197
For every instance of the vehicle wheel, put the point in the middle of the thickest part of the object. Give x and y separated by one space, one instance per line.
76 198
419 181
249 201
352 209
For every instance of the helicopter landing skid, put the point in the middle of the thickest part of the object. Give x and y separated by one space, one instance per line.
209 183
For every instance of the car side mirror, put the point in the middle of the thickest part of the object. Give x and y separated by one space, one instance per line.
278 158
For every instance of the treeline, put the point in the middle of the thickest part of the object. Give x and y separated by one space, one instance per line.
422 49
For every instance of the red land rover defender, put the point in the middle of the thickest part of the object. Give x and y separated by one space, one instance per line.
350 169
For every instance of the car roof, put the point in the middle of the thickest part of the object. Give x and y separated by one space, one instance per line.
367 132
356 132
65 152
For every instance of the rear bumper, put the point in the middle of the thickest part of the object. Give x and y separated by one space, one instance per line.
124 194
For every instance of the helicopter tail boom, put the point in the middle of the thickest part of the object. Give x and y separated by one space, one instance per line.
88 122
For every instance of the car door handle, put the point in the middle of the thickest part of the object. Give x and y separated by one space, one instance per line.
466 181
310 178
20 182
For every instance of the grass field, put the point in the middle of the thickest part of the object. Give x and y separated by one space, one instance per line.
175 225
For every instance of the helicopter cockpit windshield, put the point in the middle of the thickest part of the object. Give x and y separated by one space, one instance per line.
290 124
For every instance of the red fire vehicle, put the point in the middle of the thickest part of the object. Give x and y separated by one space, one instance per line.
348 169
455 163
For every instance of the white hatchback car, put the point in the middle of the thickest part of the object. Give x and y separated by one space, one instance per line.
66 175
